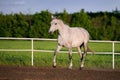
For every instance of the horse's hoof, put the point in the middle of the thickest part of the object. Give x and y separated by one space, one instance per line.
54 66
80 68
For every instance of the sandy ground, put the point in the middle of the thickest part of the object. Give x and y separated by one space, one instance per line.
49 73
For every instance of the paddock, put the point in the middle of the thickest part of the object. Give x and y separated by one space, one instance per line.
49 73
30 59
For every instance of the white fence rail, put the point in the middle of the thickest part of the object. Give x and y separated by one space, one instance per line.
43 39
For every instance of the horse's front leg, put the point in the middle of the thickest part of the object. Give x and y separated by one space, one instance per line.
70 57
55 53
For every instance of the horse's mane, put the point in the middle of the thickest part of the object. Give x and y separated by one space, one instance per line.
62 23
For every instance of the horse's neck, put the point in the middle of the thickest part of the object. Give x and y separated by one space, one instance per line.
64 35
64 31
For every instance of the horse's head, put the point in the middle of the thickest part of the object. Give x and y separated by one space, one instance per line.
55 25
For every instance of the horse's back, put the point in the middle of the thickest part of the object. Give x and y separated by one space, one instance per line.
81 33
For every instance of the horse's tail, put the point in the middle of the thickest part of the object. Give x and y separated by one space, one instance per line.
88 49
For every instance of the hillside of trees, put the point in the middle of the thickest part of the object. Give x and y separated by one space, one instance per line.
101 25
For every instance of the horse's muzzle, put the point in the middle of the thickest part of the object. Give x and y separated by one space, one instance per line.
50 32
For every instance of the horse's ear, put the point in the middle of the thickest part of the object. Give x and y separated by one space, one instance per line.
53 17
58 17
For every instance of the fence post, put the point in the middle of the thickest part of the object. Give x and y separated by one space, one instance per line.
32 52
113 64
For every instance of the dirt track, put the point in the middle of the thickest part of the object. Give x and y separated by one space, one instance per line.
40 73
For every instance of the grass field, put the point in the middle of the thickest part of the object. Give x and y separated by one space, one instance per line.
45 59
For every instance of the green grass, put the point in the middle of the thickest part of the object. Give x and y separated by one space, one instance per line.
15 58
45 59
51 45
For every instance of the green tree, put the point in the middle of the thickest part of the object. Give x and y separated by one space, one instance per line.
40 24
20 28
6 25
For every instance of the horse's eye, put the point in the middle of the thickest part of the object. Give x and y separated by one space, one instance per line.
55 23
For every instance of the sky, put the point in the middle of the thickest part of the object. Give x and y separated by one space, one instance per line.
71 6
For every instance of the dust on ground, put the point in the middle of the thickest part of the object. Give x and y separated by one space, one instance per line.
49 73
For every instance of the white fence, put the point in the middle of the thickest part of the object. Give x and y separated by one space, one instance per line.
43 39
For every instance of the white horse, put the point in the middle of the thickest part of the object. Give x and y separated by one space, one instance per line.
69 38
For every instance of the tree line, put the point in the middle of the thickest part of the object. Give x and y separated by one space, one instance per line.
100 25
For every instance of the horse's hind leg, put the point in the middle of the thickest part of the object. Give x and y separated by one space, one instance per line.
84 55
80 52
54 58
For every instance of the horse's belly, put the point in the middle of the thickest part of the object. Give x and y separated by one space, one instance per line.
76 43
